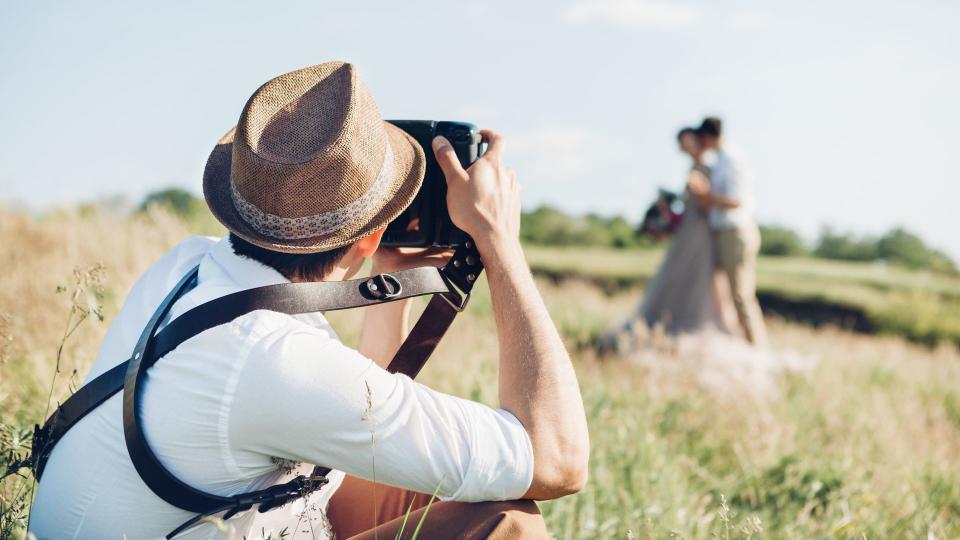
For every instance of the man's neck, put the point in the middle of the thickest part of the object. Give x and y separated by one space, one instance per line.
337 274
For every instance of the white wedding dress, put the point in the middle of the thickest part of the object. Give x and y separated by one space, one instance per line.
681 297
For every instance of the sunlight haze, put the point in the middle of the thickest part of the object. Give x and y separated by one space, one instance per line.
847 110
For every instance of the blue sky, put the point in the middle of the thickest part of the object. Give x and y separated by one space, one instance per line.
847 110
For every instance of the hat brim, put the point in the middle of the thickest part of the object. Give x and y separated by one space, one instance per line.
409 166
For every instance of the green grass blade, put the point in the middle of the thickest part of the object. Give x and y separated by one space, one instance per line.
416 532
403 524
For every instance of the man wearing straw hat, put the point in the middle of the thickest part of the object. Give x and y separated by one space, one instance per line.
306 183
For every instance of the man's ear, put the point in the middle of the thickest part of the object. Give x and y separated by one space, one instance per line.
367 245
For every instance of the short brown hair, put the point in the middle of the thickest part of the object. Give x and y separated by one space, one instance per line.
711 127
293 266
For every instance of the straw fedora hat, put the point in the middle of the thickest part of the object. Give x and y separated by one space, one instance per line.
311 165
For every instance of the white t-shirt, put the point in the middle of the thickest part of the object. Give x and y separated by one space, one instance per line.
730 175
231 408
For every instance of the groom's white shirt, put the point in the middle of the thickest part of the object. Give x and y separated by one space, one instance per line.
231 408
731 176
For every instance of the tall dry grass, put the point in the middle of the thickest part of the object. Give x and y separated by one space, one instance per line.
41 256
865 443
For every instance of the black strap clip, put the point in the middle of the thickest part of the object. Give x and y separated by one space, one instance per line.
279 495
381 287
39 450
462 272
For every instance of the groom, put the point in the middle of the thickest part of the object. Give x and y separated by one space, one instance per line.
730 200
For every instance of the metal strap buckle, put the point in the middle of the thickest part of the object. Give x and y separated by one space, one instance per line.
456 300
381 287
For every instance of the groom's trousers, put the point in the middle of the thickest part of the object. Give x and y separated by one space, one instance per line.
737 250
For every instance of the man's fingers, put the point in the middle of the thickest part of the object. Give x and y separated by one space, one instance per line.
495 143
447 159
433 252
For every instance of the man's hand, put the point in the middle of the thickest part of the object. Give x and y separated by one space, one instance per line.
537 381
483 200
699 187
390 259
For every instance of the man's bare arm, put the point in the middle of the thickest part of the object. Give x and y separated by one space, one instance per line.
723 201
537 380
385 326
699 186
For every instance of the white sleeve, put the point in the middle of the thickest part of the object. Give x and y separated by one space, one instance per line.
731 181
307 397
733 186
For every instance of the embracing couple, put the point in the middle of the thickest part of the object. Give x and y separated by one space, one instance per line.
711 262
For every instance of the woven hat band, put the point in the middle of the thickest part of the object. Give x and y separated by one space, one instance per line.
324 223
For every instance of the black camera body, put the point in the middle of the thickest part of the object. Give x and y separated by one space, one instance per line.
426 222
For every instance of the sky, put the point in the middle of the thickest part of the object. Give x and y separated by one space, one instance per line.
847 110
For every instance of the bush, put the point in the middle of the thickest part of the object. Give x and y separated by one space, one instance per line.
188 207
551 227
845 247
622 234
898 246
777 241
178 201
905 248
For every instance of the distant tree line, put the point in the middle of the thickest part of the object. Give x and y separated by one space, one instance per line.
897 246
552 227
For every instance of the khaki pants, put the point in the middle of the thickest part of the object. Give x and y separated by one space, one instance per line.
355 514
736 251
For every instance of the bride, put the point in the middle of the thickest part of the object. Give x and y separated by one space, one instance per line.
683 296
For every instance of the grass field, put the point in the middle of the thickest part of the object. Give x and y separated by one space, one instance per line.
864 443
922 306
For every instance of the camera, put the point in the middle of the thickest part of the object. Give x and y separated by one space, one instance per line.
426 222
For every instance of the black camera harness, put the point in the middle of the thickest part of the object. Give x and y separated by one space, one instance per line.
450 287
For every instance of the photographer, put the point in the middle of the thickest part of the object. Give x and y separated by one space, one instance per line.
306 184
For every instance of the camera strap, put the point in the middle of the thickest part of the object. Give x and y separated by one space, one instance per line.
450 287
